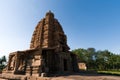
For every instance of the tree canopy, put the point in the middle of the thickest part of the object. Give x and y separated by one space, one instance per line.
99 60
2 62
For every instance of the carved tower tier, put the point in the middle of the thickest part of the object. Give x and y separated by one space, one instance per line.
49 34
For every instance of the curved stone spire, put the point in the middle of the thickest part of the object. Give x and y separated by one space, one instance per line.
49 34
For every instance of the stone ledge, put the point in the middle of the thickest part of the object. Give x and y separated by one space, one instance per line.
11 76
20 77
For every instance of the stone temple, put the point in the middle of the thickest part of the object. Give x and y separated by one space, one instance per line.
48 53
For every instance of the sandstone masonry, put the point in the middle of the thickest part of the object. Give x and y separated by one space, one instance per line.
48 53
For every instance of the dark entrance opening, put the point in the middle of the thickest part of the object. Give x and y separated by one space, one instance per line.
65 64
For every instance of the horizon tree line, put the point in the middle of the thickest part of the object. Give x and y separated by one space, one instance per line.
98 60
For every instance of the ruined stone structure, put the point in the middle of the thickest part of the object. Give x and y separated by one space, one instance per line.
48 53
82 66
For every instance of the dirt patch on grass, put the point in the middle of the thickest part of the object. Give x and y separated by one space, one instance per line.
86 76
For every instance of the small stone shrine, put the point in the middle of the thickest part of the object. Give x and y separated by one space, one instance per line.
48 53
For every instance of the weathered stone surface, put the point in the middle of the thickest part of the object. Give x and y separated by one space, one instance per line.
48 53
49 34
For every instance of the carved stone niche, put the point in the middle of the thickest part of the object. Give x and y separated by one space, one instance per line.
36 60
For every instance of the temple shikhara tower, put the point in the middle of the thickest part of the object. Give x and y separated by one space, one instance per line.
48 53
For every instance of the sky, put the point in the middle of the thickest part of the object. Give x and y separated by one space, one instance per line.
87 23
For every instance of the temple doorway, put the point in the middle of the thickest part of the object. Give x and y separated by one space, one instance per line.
65 64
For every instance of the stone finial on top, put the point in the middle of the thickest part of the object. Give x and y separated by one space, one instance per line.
49 13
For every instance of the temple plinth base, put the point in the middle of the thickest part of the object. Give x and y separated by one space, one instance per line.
20 77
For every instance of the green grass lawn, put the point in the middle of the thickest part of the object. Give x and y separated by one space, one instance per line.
117 73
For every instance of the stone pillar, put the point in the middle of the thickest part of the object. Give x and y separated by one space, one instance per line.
16 62
9 61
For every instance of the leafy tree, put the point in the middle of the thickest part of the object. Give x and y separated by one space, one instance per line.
80 54
99 60
2 62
